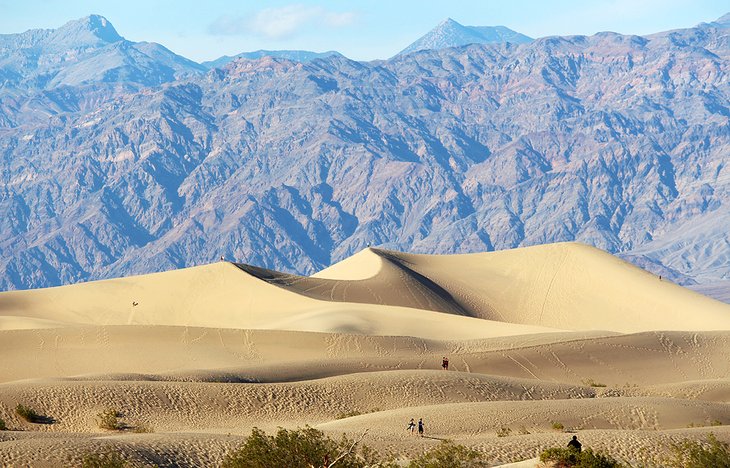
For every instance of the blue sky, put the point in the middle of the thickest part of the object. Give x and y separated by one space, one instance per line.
362 30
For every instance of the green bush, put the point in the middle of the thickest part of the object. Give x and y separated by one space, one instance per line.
569 457
558 426
27 413
304 448
109 419
449 455
299 448
694 454
3 427
107 460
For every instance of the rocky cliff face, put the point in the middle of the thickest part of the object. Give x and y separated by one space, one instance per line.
618 141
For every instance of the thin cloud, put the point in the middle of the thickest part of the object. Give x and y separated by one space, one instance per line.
281 23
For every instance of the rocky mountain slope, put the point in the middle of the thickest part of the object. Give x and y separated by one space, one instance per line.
617 141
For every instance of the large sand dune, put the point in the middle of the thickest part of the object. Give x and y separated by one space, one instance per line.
559 332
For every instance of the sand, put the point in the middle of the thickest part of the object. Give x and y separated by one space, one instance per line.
556 333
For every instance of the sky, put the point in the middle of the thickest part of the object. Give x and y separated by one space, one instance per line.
362 30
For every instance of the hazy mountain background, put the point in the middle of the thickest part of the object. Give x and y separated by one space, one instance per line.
295 55
120 158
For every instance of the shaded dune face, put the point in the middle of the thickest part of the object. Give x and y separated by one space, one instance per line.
413 289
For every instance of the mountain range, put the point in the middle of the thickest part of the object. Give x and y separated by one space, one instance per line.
119 157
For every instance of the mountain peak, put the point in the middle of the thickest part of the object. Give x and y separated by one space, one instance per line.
449 21
451 33
90 30
450 24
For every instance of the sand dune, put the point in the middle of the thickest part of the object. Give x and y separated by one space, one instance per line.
185 353
567 286
550 333
558 287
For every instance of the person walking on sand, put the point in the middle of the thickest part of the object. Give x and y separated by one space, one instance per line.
411 427
420 427
445 363
574 444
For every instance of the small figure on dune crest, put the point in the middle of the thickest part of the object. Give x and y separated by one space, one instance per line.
411 427
420 427
445 363
574 444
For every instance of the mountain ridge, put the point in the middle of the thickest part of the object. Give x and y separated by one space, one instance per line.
293 55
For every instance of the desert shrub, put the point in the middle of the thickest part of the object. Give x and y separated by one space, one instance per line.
715 422
593 383
109 419
694 454
298 448
106 460
558 426
503 431
568 457
449 455
3 427
349 414
559 456
27 413
523 431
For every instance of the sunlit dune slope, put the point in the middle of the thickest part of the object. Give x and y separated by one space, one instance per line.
218 293
228 355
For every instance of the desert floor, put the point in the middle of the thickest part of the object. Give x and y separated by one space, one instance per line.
561 333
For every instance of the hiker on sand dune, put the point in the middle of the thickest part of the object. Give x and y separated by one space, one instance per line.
445 363
574 444
420 427
411 427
